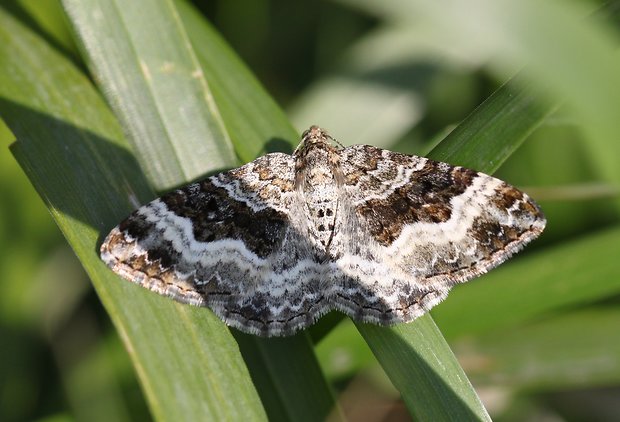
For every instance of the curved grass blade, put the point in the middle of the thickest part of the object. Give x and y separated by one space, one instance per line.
72 149
141 57
492 132
482 141
255 123
424 370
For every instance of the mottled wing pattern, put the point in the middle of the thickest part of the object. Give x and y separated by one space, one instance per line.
228 243
418 227
274 244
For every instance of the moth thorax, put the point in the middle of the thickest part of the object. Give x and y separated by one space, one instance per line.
320 196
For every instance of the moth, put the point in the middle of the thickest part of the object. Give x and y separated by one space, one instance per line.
271 246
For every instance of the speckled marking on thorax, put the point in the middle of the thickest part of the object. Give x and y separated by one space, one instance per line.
318 181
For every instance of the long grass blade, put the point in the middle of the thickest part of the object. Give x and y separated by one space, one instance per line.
72 149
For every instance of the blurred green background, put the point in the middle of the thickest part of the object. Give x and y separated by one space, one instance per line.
398 76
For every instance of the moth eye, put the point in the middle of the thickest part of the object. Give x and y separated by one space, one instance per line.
320 213
329 212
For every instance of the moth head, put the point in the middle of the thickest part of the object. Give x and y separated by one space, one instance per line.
315 137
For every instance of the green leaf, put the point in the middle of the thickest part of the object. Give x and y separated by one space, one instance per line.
246 119
146 67
423 369
72 149
288 378
255 123
484 140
